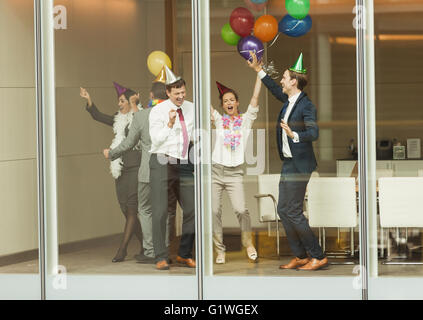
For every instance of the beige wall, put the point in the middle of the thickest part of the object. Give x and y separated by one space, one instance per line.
18 168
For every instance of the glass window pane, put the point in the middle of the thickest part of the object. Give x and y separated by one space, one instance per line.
19 256
243 213
109 52
18 144
398 39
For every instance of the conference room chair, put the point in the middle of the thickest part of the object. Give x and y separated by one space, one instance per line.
400 206
267 202
332 204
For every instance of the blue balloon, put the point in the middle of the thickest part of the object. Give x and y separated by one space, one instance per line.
258 1
293 27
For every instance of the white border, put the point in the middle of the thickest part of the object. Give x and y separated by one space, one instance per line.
395 288
281 288
20 287
121 287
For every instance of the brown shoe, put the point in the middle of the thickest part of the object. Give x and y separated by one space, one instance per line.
295 263
162 265
188 262
315 264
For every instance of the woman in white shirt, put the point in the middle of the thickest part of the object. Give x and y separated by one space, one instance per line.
232 130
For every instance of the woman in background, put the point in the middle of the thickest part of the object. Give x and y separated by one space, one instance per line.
125 169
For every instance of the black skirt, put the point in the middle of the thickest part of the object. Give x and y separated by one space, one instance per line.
127 183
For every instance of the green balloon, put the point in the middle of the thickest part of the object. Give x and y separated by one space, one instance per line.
229 36
297 8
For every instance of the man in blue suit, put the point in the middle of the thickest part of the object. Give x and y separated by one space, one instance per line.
295 132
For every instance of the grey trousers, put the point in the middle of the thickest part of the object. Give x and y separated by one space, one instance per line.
145 218
231 180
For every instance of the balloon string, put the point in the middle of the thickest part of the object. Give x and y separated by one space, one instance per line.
274 40
296 24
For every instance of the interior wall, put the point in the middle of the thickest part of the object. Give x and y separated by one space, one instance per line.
18 166
399 82
105 41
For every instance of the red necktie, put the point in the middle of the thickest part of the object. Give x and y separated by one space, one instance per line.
184 131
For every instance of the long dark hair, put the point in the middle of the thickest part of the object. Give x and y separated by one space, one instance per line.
129 93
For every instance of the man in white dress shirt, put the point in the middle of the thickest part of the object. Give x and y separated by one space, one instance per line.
171 131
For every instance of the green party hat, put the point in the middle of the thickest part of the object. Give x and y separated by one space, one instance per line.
298 66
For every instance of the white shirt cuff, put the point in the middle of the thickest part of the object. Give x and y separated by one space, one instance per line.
253 109
262 74
296 138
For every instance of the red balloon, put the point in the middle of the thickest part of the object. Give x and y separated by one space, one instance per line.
266 28
242 21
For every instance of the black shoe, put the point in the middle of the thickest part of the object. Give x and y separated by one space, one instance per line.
141 258
120 256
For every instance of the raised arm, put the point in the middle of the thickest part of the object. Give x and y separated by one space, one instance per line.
256 92
214 114
274 88
94 112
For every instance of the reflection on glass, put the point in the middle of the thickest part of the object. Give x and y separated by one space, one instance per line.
18 145
111 64
398 39
318 134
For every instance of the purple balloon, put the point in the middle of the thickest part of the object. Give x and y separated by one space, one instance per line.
250 43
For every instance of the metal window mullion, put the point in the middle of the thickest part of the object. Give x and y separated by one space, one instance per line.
46 140
364 131
40 152
201 97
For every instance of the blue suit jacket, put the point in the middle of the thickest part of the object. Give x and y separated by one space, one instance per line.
302 120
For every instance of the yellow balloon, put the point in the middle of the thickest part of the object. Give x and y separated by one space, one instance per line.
156 60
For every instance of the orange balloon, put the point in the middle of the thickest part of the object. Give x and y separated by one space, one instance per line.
266 28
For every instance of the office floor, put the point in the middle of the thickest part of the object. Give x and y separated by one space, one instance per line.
97 260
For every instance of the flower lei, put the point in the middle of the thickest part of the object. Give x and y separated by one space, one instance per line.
232 137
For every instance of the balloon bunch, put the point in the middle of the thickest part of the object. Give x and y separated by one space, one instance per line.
238 32
249 35
297 22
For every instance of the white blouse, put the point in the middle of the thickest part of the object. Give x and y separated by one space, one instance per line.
224 155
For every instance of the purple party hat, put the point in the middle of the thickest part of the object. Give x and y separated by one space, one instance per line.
119 89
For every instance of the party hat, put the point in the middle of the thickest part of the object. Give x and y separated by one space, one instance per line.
170 77
161 77
119 89
222 89
298 66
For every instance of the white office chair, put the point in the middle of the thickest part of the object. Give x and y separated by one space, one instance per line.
332 203
267 198
400 206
